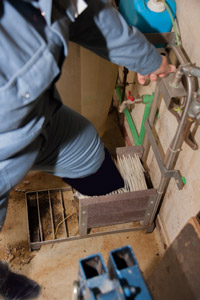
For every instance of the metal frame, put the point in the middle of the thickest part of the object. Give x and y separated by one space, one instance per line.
41 236
167 165
168 91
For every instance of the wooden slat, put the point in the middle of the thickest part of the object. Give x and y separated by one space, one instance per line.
115 209
115 206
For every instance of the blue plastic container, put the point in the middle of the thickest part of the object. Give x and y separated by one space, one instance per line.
137 13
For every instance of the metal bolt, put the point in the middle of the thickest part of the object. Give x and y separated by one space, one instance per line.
83 212
151 202
83 224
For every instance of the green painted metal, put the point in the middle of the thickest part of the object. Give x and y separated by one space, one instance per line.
147 101
129 118
183 180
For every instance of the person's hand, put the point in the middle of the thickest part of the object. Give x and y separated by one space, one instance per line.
163 71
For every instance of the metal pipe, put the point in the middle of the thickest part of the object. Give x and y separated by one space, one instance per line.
190 82
129 118
179 54
147 101
177 77
193 71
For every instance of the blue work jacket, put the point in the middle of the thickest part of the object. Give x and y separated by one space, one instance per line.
34 39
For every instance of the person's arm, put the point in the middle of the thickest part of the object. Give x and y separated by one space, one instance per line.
162 71
103 30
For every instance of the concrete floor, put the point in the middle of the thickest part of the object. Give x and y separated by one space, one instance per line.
55 266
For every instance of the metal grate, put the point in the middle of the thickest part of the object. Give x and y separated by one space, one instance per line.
48 214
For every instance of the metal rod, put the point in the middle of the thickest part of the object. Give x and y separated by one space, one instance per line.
63 215
36 245
177 77
28 225
193 71
51 214
152 116
55 189
39 219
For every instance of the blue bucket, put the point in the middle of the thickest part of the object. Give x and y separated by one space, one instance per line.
137 13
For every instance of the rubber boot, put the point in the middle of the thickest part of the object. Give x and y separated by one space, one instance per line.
106 180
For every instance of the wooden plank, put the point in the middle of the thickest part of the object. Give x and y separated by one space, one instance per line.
115 206
115 209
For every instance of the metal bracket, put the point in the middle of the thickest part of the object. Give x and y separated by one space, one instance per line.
165 172
148 213
168 91
83 220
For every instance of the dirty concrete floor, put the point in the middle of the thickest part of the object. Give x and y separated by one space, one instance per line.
55 266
